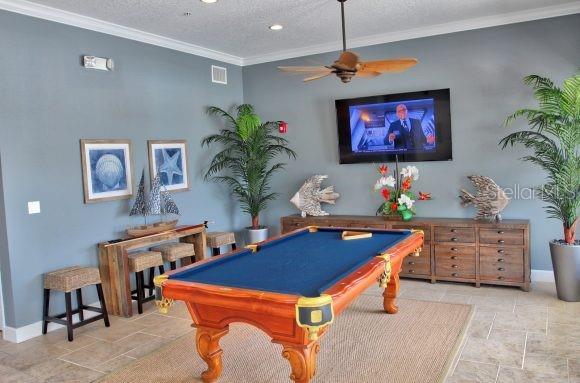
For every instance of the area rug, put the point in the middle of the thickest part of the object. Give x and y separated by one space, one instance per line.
418 344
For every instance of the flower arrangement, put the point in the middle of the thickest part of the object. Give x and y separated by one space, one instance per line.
399 200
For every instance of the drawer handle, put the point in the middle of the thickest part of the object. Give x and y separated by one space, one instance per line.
454 249
454 274
501 241
411 271
411 263
455 266
501 269
501 251
454 230
501 232
500 277
500 260
454 257
454 239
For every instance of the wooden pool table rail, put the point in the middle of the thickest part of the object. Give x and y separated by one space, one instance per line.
213 308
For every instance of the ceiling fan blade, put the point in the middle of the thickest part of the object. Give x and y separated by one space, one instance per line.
367 74
307 79
389 65
303 69
347 60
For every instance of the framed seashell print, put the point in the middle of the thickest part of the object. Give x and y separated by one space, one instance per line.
169 159
106 167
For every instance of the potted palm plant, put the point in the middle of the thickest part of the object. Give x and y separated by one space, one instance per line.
554 138
246 161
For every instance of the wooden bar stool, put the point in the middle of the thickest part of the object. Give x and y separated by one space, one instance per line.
138 262
171 252
67 280
217 239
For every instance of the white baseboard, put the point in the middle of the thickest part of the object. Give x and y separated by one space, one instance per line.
543 276
21 334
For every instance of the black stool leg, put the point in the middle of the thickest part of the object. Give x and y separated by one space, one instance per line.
80 304
173 265
140 291
192 259
103 305
45 310
215 251
233 247
161 269
151 276
69 324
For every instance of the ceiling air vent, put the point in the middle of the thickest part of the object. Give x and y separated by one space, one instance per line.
219 75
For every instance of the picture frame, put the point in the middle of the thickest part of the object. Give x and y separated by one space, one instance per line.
169 158
107 170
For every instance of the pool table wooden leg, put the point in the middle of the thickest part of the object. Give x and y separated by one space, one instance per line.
207 341
390 295
302 360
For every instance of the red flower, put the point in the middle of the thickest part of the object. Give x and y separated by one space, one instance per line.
394 206
406 185
386 194
383 169
424 196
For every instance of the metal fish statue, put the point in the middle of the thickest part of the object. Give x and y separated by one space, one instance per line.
489 198
309 197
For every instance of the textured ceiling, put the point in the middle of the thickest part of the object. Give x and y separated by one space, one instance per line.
240 27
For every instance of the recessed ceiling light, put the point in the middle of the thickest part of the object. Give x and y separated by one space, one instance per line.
209 1
186 13
276 27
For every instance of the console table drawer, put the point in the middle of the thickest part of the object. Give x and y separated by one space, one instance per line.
418 265
363 225
501 254
454 234
454 252
501 236
456 270
491 269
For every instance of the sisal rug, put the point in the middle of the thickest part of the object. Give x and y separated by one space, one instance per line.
418 344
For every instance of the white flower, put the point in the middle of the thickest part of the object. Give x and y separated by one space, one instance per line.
405 200
388 181
378 185
410 172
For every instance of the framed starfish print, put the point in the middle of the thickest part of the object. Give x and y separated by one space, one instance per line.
168 158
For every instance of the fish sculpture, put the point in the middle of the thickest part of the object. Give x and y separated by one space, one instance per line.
489 198
309 196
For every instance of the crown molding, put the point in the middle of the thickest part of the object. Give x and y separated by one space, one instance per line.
439 29
64 17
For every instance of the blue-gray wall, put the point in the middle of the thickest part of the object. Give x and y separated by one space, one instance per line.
483 69
49 102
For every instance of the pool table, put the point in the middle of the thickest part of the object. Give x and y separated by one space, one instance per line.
292 287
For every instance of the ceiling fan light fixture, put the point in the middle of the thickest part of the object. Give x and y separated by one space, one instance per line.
276 27
209 1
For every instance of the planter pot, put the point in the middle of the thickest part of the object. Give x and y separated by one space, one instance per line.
256 235
566 262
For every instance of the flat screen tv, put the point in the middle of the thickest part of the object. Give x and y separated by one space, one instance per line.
412 126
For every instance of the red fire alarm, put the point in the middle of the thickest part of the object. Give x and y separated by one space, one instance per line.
282 127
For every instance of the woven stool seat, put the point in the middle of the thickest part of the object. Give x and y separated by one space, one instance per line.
71 278
144 260
218 239
171 252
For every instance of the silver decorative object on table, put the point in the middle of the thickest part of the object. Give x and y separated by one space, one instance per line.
309 196
489 198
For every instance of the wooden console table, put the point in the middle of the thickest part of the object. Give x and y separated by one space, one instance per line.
114 267
456 249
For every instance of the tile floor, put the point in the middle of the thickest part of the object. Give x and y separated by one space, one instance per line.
514 337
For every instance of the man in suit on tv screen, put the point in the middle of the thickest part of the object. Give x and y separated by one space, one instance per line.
405 132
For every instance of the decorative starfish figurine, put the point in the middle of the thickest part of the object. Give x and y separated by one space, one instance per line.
169 166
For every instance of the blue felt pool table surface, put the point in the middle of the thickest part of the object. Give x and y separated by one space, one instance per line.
302 263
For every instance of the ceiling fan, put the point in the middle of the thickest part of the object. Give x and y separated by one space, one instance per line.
349 65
